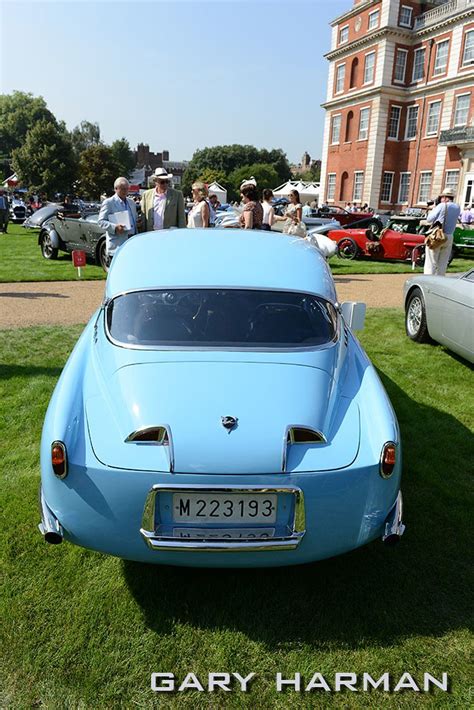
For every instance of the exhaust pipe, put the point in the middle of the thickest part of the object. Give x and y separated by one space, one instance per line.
49 527
394 527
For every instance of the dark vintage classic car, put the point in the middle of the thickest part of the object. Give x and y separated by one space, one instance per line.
389 244
343 216
17 211
66 233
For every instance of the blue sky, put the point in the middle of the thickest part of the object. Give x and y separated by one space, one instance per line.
177 75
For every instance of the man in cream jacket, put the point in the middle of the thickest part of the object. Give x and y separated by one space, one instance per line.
117 234
162 206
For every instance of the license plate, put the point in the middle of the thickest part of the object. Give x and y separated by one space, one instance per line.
207 507
224 533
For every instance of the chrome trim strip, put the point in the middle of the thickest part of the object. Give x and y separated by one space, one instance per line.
49 527
156 542
394 527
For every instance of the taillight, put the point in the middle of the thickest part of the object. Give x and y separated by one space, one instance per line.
388 459
59 459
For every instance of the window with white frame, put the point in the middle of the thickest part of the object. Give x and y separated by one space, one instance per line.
394 122
387 184
419 65
331 191
374 18
468 54
441 60
335 129
358 185
424 192
432 124
404 188
364 124
412 122
400 65
340 76
343 34
406 16
461 111
451 180
369 68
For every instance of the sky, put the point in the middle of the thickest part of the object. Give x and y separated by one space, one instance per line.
178 75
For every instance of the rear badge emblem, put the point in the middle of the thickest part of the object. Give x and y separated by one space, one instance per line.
229 423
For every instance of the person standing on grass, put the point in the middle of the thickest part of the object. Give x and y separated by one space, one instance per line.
467 218
4 212
162 206
117 234
446 215
199 213
268 210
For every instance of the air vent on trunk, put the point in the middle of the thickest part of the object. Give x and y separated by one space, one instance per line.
154 435
296 435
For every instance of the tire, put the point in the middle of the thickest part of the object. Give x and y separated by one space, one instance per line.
415 317
375 227
347 248
47 249
101 258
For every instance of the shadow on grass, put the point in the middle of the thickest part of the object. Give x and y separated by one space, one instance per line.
374 594
31 294
8 371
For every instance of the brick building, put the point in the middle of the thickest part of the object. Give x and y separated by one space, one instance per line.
149 161
400 104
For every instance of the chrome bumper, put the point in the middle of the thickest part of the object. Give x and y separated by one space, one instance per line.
157 541
49 527
394 527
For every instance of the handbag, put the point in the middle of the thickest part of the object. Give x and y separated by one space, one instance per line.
297 230
436 237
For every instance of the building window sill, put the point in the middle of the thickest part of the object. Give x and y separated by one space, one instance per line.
391 138
399 82
430 136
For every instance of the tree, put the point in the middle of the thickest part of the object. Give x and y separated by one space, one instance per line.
124 156
265 175
19 112
227 158
84 135
45 162
98 170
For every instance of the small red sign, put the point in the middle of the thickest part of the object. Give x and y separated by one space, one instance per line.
78 258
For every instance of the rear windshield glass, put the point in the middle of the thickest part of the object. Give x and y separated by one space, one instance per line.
221 318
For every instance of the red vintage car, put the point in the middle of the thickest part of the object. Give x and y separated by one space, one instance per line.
389 244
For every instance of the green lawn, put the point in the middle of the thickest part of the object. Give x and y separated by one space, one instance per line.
81 630
21 260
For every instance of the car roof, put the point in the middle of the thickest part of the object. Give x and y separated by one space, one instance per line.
231 258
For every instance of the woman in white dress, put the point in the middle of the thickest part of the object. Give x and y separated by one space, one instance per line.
198 216
293 216
268 210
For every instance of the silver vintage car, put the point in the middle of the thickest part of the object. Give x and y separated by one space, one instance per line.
441 308
68 232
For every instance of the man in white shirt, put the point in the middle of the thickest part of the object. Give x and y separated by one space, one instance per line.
117 232
446 214
162 206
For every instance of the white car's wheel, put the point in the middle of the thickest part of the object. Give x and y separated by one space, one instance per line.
415 317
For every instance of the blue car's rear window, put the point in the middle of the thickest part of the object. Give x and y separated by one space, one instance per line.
220 318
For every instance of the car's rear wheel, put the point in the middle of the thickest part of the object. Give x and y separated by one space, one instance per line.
375 226
101 256
47 249
415 317
347 248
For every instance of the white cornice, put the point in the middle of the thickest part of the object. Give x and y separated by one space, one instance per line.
400 92
410 35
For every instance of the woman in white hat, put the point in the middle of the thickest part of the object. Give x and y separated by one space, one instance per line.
198 216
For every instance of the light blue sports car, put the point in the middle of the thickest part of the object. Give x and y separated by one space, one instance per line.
219 411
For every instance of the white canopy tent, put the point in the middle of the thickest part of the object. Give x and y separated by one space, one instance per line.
308 190
220 192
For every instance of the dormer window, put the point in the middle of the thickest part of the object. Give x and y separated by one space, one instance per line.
406 16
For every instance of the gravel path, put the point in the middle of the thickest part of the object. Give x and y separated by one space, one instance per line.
68 302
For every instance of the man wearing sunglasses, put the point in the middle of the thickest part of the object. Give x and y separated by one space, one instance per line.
162 206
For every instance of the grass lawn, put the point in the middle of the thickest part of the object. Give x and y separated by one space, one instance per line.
82 630
21 260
